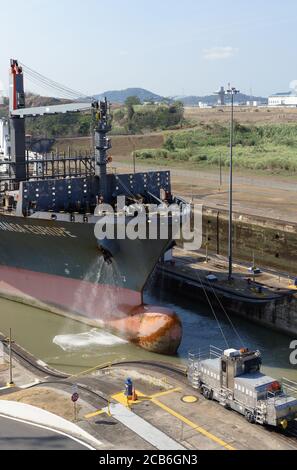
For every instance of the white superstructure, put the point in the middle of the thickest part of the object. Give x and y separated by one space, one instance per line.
4 138
4 145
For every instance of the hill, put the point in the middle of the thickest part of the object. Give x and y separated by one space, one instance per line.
213 99
120 96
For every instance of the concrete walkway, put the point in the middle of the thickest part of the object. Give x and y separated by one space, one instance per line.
145 430
19 435
32 415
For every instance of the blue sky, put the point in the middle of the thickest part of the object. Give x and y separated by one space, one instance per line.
168 46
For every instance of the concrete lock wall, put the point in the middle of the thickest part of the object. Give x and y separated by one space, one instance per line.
273 243
278 313
274 246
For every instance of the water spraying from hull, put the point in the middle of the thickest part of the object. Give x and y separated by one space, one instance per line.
153 328
88 299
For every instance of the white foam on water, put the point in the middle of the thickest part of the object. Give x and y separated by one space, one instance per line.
88 339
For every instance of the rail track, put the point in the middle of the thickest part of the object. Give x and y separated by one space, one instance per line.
53 377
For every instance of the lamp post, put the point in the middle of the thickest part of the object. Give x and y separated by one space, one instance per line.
232 92
10 383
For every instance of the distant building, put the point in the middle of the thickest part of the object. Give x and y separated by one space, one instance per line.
283 99
253 103
201 104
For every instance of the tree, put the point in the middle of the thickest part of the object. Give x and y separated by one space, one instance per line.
132 101
169 143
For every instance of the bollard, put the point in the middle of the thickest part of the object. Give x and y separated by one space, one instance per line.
128 388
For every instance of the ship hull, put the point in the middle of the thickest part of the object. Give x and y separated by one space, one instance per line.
60 265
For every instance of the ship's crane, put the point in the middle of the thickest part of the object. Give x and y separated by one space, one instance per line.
51 186
18 112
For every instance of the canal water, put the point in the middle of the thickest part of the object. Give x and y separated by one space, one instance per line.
71 346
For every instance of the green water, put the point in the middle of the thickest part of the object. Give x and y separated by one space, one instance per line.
72 346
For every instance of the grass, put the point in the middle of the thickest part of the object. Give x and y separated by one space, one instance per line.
271 148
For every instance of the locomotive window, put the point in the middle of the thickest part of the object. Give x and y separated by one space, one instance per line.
224 366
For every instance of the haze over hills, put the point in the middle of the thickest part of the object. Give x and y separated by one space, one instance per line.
120 96
213 99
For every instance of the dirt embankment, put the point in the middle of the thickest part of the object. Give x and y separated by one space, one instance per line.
242 114
122 145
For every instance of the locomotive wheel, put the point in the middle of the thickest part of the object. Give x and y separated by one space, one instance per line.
207 393
250 417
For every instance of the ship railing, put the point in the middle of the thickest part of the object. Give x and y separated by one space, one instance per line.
60 166
50 166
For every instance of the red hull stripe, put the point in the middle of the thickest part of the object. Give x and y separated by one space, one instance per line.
96 301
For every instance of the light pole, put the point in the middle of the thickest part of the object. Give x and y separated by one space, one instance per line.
10 383
232 92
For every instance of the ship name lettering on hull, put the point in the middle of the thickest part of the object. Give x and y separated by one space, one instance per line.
36 230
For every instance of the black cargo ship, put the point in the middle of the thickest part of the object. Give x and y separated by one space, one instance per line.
49 252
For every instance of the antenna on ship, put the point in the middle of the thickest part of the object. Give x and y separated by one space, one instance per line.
17 124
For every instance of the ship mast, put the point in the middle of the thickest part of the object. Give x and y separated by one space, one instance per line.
102 143
17 124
